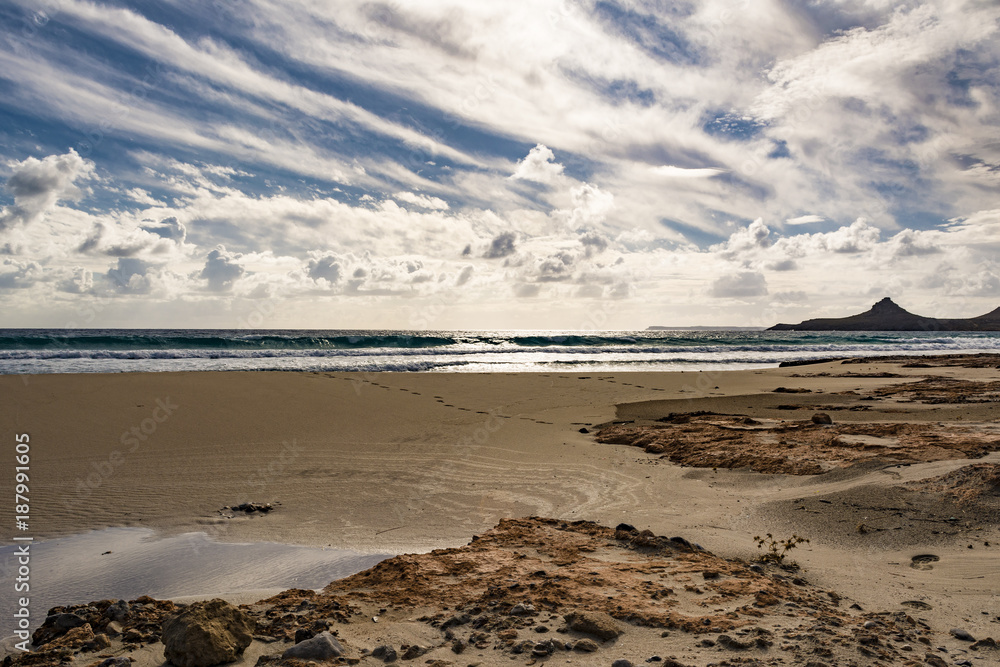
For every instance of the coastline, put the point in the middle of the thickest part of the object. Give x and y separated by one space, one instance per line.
407 463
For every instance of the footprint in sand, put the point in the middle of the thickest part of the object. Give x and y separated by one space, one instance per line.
916 604
923 561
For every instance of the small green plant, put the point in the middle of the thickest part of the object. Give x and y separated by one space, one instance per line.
774 551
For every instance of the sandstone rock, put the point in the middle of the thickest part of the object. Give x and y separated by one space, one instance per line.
206 633
821 418
414 651
320 647
100 642
114 628
733 644
73 639
594 623
586 646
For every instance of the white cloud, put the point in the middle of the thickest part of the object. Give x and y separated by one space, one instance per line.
804 220
423 201
680 172
221 270
37 185
539 166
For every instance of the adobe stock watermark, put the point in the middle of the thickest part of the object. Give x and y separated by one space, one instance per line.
131 440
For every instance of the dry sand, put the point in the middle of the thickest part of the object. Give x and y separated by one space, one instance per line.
406 463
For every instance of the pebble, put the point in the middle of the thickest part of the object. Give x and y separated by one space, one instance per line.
621 663
959 633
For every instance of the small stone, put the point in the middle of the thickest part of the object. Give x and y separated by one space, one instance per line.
586 646
725 641
319 647
522 609
302 634
458 646
959 633
584 430
117 611
621 663
821 418
384 653
541 628
934 661
100 642
414 651
870 624
989 642
757 568
113 629
594 623
120 661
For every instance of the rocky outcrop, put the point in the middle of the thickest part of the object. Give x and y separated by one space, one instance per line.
206 633
887 316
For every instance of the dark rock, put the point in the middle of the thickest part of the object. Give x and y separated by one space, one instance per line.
120 661
757 568
385 653
989 642
584 430
118 611
628 528
302 634
522 609
821 418
934 661
594 623
320 647
541 628
621 663
458 646
959 633
206 633
456 620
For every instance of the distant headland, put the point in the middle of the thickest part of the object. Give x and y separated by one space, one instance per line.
887 316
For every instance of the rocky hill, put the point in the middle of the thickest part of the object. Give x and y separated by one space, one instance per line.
887 316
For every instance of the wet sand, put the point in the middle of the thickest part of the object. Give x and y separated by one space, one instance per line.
406 463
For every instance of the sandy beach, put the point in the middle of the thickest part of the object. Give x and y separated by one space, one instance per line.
401 463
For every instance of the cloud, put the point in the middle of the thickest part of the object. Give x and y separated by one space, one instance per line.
804 220
590 205
502 245
38 185
423 201
221 270
680 172
739 285
464 276
168 228
19 275
539 166
753 237
326 268
130 275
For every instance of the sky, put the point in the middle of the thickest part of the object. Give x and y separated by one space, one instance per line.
538 164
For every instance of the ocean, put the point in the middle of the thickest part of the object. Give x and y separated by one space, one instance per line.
165 350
